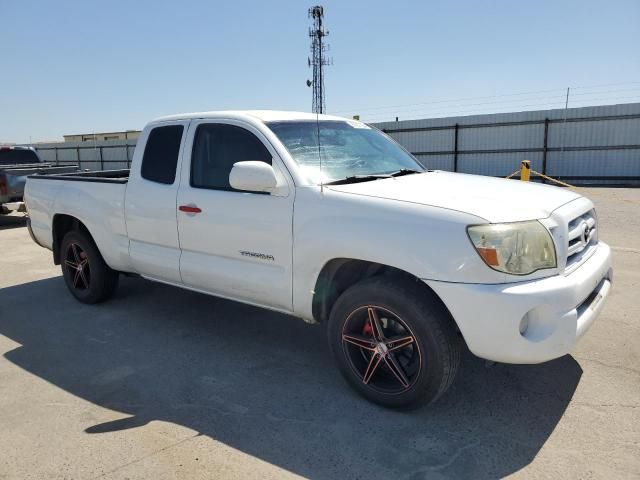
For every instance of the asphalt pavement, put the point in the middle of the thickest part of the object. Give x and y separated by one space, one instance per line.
164 383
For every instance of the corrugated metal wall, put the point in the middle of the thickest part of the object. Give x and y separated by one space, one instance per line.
583 145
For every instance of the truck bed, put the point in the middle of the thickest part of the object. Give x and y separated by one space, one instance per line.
96 198
14 176
103 176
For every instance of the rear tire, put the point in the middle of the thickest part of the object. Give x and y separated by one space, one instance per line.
85 272
394 342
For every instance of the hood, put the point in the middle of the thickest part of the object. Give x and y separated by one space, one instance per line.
493 199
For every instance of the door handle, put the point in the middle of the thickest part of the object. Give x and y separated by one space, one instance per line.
189 209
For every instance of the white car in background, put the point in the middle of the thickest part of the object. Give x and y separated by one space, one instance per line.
330 220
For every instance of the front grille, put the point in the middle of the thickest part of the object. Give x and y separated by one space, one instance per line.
582 236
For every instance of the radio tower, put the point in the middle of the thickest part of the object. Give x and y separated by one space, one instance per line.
318 58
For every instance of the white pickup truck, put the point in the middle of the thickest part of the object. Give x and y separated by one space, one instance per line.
331 221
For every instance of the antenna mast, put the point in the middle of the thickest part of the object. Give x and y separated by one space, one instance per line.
318 58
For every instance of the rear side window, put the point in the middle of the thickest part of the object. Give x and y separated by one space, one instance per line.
17 156
216 148
161 154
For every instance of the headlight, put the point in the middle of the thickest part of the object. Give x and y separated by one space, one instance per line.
518 248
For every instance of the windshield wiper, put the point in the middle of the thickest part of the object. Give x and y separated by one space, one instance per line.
403 171
375 176
357 179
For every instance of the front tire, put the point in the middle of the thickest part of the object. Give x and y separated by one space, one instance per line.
394 342
88 277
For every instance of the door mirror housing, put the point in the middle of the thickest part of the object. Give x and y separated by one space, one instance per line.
253 176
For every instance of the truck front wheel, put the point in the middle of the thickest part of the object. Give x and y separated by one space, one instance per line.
87 276
394 342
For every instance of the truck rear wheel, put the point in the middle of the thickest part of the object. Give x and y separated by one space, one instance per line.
87 276
394 342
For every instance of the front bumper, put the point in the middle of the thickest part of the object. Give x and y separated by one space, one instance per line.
552 313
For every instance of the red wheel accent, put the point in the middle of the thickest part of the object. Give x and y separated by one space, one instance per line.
385 355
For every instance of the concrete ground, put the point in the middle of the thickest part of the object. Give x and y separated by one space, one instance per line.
163 383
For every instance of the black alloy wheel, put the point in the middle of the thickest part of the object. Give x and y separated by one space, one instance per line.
77 264
381 349
88 277
394 341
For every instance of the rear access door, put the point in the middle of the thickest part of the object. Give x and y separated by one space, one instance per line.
150 205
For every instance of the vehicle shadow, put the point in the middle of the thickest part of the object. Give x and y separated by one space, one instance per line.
12 221
264 383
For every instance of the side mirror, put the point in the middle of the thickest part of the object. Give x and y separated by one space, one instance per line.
253 176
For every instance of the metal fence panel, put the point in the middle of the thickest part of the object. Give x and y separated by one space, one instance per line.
89 154
432 141
587 144
116 153
496 164
437 162
597 163
506 137
101 155
595 133
47 154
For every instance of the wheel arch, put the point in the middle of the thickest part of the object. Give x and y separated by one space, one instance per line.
338 274
61 225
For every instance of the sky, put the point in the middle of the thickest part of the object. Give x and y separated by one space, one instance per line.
81 66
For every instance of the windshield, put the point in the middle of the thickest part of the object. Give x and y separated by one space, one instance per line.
347 149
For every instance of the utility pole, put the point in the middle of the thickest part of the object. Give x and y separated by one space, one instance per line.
318 58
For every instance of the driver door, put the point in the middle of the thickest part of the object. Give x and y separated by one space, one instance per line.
234 244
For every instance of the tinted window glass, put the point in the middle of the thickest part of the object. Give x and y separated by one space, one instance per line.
17 156
161 154
216 148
